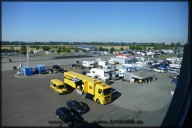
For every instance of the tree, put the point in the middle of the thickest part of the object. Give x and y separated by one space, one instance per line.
31 51
52 50
83 50
11 48
68 50
23 49
101 49
138 48
132 47
58 50
37 47
112 49
76 49
121 49
46 48
144 48
178 44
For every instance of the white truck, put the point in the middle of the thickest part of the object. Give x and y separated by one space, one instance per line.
99 74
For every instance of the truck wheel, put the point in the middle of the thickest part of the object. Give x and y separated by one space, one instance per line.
98 101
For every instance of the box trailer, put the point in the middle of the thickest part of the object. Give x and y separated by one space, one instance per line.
102 63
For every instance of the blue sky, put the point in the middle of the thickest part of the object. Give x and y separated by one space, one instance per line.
95 21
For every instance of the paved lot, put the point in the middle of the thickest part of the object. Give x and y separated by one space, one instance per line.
46 60
28 101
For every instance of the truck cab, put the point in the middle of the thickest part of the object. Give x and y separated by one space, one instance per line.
58 86
102 94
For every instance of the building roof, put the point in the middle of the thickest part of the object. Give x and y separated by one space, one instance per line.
141 74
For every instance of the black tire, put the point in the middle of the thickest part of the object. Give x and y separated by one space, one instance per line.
98 101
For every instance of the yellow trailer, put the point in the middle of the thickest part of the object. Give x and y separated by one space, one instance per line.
86 85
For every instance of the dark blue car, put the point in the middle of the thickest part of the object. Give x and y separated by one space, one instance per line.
175 80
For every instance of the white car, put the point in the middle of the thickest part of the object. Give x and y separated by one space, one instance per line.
160 70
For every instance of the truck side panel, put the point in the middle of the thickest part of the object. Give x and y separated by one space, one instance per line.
69 82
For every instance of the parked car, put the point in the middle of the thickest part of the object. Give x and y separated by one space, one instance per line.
76 106
175 80
160 70
67 116
57 68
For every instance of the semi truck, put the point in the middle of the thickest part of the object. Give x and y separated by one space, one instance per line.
84 85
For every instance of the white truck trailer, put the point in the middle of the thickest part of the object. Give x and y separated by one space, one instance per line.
99 74
102 63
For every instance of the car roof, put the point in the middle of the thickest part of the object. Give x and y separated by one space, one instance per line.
74 101
63 109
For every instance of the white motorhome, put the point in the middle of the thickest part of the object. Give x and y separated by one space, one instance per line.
173 70
98 74
141 64
178 60
172 60
102 63
178 66
121 72
109 68
112 61
88 64
149 53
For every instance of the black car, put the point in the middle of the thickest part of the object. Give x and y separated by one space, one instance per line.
57 68
76 106
67 116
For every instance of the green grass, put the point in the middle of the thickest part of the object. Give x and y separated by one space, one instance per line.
167 56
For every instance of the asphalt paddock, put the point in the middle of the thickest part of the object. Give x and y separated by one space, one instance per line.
74 56
29 101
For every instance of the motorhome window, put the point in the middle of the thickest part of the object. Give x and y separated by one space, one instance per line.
90 87
93 71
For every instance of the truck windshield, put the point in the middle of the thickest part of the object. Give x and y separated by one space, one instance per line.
107 91
61 86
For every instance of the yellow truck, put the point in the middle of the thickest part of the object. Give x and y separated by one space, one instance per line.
86 85
58 86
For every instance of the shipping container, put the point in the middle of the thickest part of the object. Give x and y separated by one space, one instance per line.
27 71
40 69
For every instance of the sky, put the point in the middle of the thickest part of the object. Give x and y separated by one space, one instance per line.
95 21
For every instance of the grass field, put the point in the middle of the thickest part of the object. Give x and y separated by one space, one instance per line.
167 56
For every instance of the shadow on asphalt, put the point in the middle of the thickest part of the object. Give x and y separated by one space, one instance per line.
72 56
115 95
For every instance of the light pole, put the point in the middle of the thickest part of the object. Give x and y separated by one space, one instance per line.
20 54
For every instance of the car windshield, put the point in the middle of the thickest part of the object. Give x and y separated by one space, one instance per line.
107 91
61 86
77 103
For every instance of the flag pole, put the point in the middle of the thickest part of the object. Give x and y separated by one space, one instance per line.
27 58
